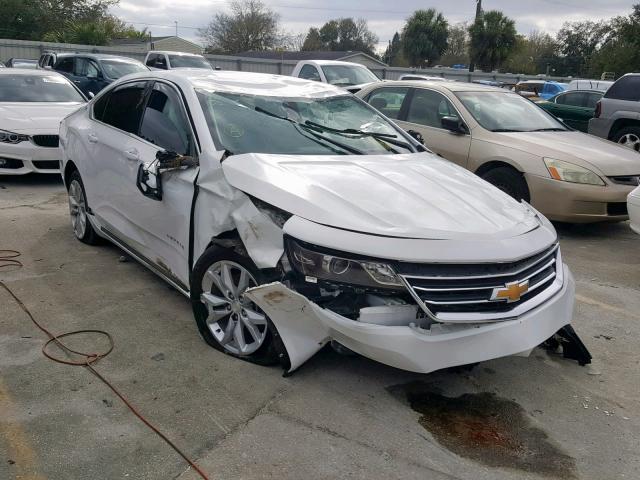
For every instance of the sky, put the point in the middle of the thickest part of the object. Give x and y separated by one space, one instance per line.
384 17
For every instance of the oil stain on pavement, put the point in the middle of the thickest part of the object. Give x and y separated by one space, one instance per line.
487 429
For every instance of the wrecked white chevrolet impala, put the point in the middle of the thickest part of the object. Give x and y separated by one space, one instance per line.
293 214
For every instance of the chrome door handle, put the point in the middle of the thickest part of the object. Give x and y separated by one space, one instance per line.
132 155
92 138
76 81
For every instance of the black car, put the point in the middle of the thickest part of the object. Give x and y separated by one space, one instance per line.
90 72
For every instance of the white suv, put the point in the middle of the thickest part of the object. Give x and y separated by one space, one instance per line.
292 214
161 60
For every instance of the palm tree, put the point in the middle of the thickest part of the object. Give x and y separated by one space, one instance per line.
492 38
424 37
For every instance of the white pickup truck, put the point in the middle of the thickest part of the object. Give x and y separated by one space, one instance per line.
350 76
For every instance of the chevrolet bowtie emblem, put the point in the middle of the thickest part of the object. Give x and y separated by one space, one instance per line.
511 292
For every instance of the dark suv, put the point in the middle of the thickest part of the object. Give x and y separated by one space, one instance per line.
617 115
90 72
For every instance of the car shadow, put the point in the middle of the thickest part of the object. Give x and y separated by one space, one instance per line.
30 179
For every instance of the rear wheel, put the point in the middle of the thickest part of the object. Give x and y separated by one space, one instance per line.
82 228
227 320
510 181
628 137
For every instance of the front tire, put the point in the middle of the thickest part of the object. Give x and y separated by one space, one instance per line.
510 181
82 228
628 137
227 320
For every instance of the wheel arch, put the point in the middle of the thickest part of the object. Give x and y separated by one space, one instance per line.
493 164
69 168
621 123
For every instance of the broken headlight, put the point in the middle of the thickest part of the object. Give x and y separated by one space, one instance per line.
318 265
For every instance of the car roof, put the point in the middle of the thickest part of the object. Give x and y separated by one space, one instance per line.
243 82
450 86
169 52
31 72
333 62
95 56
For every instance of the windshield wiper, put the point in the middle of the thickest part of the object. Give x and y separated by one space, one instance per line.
554 129
507 130
311 131
387 137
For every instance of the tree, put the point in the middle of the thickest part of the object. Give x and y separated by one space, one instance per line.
342 34
249 26
33 19
424 37
492 38
533 53
313 41
620 52
94 32
457 45
579 41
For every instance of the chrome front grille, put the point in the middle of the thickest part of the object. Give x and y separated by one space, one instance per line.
477 292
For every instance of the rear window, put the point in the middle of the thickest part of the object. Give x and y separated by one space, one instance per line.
626 88
188 61
37 88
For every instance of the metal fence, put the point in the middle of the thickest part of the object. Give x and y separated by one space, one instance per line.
31 49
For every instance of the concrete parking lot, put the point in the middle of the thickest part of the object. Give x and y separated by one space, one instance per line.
337 417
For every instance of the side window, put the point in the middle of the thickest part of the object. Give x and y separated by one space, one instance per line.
65 65
428 107
592 99
151 59
388 100
86 68
626 88
124 108
161 61
309 72
574 99
165 123
99 106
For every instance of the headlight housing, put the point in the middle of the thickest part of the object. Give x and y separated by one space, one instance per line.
10 137
317 265
569 172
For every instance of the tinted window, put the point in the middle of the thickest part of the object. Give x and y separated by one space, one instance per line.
428 107
65 65
592 99
627 88
388 100
309 72
576 99
165 123
151 59
124 108
100 105
37 88
348 75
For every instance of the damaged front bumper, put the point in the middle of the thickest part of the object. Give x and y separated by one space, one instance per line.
305 328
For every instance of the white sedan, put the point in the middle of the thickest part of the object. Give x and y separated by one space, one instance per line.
32 104
293 214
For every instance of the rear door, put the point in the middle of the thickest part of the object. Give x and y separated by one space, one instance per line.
571 108
424 114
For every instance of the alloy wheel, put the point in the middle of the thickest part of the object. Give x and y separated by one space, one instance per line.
77 209
630 140
236 323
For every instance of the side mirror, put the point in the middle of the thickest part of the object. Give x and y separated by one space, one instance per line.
453 124
168 160
417 136
149 181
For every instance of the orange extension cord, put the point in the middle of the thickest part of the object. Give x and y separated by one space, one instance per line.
9 258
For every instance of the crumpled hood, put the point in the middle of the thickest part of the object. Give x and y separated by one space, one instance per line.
587 150
409 195
36 117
